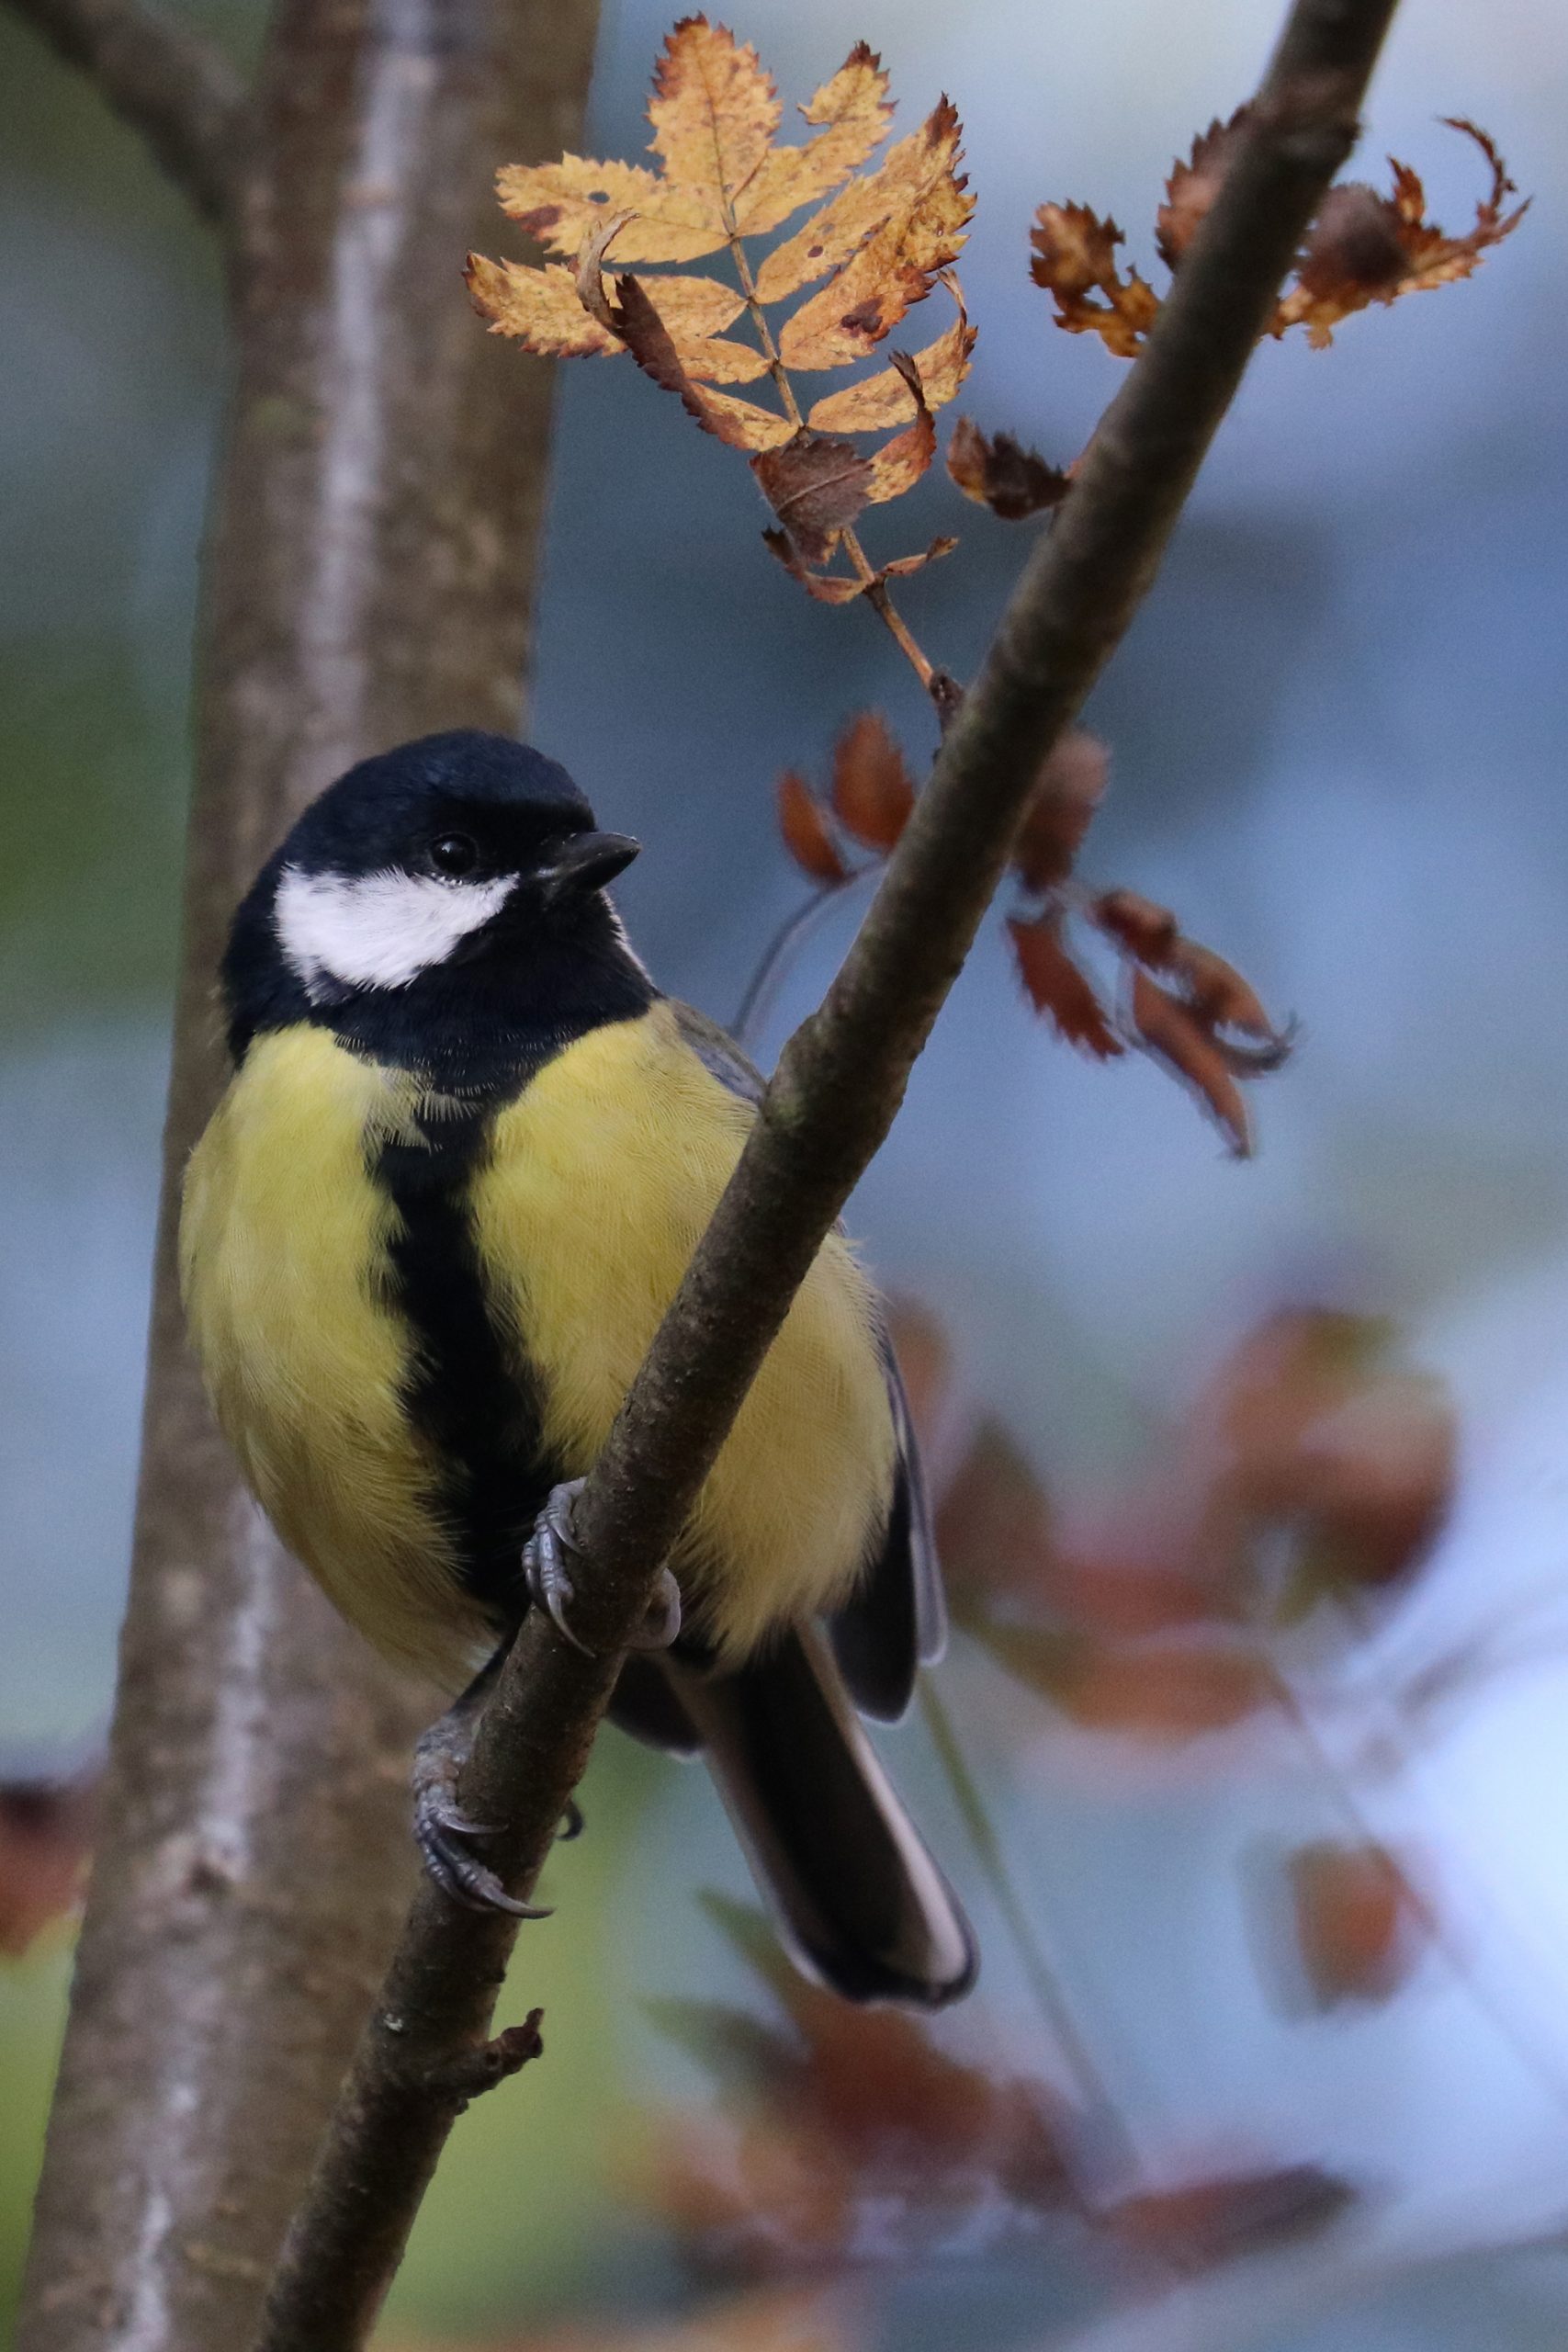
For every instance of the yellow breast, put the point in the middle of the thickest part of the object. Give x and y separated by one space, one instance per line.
604 1174
283 1258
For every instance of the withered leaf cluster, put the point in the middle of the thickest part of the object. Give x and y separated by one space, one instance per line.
881 238
1363 247
1199 1017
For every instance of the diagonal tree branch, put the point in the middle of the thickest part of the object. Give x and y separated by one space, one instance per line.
834 1096
170 83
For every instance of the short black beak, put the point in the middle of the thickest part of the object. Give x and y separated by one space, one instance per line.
585 861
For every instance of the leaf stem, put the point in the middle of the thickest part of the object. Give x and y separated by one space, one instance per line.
876 593
1049 1999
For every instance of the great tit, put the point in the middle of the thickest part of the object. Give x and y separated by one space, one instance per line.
466 1155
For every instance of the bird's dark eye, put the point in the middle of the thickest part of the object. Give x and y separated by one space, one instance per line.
453 853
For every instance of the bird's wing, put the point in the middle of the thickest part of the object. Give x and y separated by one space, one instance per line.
895 1620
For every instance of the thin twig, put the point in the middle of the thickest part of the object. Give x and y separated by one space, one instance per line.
170 83
757 999
1103 2135
836 1091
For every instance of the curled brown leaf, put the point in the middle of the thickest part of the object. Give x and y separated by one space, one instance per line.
997 472
1056 986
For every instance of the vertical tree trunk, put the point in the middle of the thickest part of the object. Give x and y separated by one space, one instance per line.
368 578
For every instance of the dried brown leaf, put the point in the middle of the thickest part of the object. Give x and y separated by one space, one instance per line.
1193 185
1369 248
1001 473
815 486
1210 2221
1171 1030
826 587
902 565
1075 258
873 791
886 398
45 1837
807 834
1056 986
1167 1690
850 116
886 238
1358 1920
1061 809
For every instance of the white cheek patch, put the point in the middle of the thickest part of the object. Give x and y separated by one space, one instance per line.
377 931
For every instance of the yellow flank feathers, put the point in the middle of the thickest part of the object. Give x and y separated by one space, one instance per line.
282 1244
603 1175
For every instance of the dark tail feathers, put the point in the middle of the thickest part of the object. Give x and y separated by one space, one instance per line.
849 1880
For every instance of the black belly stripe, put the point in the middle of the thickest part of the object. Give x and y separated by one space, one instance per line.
468 1395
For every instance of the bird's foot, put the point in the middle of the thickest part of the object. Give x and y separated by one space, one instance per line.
443 1831
548 1577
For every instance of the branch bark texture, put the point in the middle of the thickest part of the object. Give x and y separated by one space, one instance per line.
837 1090
368 578
178 90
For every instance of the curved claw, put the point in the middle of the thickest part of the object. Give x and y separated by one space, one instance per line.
545 1570
571 1823
460 1875
548 1578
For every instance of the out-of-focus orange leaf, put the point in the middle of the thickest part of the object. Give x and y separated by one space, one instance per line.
1315 1427
994 1530
1171 1691
1056 986
885 237
1359 1925
807 835
45 1838
1193 185
849 2113
1214 990
1209 2222
999 472
873 791
1061 809
815 486
1369 248
1074 260
1171 1030
925 1359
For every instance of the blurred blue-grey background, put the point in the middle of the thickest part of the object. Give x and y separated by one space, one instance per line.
1337 732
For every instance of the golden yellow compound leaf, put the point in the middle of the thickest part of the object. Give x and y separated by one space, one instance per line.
853 115
884 399
540 306
884 238
900 463
714 112
560 203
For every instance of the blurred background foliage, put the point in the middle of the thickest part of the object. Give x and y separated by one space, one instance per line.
1276 1925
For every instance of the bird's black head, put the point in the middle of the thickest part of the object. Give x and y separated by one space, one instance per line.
441 906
